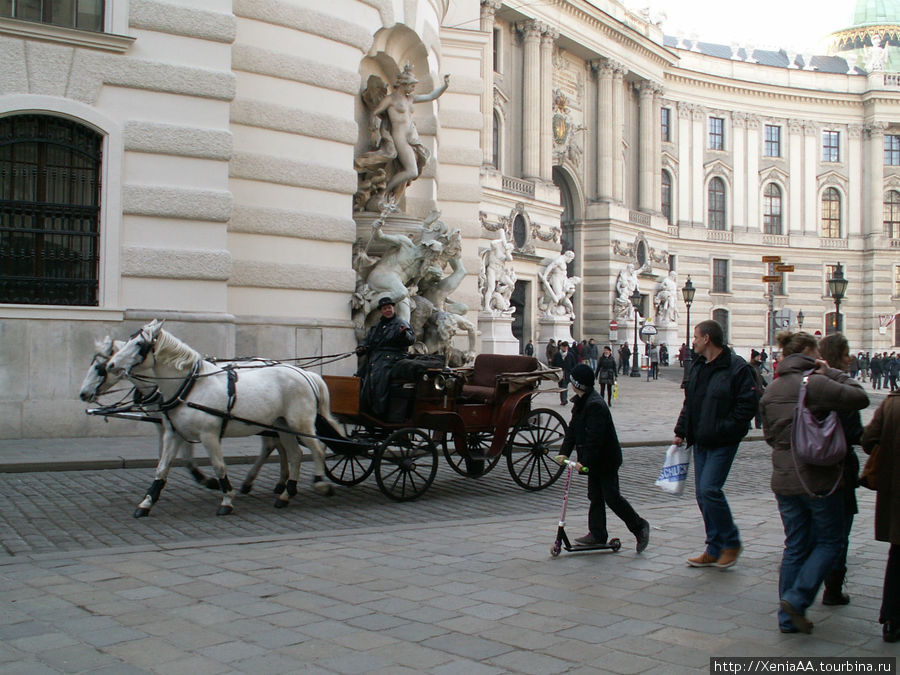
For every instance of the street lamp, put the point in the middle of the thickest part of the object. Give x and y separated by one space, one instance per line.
800 318
837 286
687 292
635 303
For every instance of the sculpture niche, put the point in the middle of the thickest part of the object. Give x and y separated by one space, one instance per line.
626 285
665 299
497 279
558 287
396 155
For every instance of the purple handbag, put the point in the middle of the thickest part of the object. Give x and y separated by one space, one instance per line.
816 442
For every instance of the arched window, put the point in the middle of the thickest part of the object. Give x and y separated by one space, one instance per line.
772 209
892 214
666 205
49 211
831 213
495 150
721 315
716 201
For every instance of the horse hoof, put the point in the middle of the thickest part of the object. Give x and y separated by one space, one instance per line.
279 488
280 504
324 489
225 511
212 483
245 489
141 513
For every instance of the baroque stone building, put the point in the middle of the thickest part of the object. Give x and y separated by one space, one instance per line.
194 161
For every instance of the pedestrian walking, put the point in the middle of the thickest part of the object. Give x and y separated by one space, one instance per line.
606 374
894 372
682 354
756 363
813 523
529 348
593 353
565 359
624 358
863 366
763 357
592 435
654 363
835 350
551 351
875 368
884 432
720 400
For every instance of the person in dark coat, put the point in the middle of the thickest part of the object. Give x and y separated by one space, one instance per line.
884 430
875 366
551 351
606 374
386 342
592 435
564 359
529 349
813 523
836 351
624 358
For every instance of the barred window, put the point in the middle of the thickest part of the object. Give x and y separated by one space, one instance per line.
831 213
721 315
772 209
892 214
667 196
891 150
773 141
49 211
81 14
720 276
716 201
831 149
716 133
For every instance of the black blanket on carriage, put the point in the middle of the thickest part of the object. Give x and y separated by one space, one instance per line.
410 368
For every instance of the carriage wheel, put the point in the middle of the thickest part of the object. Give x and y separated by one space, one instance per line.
478 444
354 465
406 464
534 441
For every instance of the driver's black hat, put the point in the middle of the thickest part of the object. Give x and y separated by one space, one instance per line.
386 300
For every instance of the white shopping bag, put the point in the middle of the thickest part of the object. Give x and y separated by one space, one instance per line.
674 472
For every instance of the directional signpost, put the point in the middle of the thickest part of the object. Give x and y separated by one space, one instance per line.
772 279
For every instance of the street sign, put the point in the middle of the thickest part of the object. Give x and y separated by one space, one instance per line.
614 325
771 278
771 258
818 333
648 331
784 268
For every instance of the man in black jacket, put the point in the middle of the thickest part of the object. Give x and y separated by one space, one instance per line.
720 400
386 342
566 360
592 435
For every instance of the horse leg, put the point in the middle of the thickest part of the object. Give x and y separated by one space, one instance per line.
282 466
187 452
318 454
291 450
213 446
170 445
267 445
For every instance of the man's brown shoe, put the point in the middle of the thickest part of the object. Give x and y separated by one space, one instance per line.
703 560
728 557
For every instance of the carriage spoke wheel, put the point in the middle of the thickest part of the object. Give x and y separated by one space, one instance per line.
406 464
534 441
353 465
478 443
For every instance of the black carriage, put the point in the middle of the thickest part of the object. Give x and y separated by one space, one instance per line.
476 415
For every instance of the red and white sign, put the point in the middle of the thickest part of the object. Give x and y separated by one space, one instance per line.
614 325
818 333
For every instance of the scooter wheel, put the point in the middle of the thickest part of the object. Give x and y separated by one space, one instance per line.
555 549
615 544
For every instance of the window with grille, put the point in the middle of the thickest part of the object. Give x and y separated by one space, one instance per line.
892 214
831 150
81 14
721 315
891 150
716 204
772 209
716 133
666 124
720 276
49 211
773 141
831 213
667 196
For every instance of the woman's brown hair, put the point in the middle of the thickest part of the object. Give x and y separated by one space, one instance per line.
833 348
794 343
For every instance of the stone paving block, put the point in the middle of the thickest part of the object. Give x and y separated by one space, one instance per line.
414 631
113 636
375 621
143 593
466 667
195 665
486 610
293 618
146 652
524 661
29 667
196 637
520 638
328 629
229 652
467 625
467 646
23 629
206 615
76 659
43 642
275 638
365 640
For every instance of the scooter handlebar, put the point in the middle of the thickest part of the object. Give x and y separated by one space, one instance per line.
565 461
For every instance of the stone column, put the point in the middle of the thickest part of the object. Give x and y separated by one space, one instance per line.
753 152
810 180
854 168
618 132
605 130
548 37
685 175
873 180
531 93
795 176
657 148
646 164
488 9
741 180
698 147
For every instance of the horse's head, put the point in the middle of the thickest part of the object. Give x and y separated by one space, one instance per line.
97 380
134 352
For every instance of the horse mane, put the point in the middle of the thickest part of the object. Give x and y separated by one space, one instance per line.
179 354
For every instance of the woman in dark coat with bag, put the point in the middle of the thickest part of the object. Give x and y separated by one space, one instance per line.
884 431
809 502
606 374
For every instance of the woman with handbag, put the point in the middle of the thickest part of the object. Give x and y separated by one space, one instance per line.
882 438
811 508
606 374
835 350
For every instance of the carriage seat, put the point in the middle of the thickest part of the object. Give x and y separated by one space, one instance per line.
481 386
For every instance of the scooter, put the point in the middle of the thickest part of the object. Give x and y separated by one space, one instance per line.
562 539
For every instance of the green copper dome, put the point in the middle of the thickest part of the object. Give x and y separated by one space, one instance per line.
875 13
874 26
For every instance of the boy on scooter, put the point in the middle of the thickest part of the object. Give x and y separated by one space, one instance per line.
592 435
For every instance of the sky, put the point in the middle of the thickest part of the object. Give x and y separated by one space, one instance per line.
799 24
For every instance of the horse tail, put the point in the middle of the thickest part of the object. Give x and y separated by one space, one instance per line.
323 396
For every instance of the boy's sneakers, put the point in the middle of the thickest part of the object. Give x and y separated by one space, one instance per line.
703 560
728 557
643 536
588 540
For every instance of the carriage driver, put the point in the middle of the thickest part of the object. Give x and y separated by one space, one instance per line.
386 342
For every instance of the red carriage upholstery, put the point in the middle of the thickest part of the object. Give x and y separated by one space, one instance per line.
482 384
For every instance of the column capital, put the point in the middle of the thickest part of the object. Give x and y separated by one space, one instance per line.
618 68
738 119
875 129
753 121
698 113
530 30
795 126
489 8
684 110
549 35
855 130
810 128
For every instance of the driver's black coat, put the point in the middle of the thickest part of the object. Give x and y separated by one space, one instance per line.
386 342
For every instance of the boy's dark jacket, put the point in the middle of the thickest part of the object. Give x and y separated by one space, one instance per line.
592 434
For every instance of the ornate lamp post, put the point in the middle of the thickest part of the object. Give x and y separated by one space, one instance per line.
837 286
687 292
636 303
800 318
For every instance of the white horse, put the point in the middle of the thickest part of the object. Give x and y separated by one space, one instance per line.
204 402
97 381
